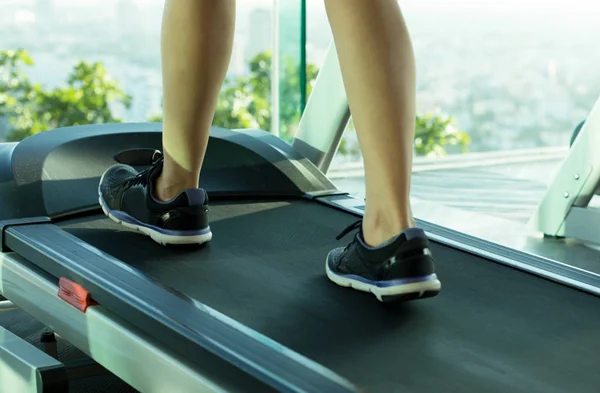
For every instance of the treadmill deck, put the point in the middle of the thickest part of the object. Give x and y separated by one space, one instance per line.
492 328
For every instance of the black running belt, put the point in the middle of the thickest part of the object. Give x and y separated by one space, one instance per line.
491 329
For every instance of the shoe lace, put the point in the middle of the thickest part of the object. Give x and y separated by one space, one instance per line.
352 227
140 157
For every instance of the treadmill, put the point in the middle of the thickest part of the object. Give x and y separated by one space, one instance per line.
90 306
252 311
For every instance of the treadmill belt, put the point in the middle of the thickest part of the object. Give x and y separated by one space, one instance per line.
491 329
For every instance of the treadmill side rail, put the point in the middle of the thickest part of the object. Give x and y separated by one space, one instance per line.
109 340
326 115
26 369
5 224
187 326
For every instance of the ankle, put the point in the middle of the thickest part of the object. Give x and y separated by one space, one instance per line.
166 189
380 228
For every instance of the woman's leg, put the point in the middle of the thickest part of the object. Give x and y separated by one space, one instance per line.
165 202
197 41
389 257
378 68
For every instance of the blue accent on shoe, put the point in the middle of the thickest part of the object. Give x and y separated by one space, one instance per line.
130 220
388 283
394 267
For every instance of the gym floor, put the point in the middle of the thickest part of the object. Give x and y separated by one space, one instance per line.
493 201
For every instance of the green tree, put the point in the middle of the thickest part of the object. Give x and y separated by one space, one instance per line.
244 102
435 133
85 99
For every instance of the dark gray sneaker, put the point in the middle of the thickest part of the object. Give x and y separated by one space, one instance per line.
127 197
402 269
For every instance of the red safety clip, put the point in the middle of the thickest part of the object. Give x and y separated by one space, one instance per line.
74 294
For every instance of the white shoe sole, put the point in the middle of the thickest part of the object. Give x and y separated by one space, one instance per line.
409 291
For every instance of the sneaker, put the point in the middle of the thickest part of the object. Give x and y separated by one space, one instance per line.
127 197
401 269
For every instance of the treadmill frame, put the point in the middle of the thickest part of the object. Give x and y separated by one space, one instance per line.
35 254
